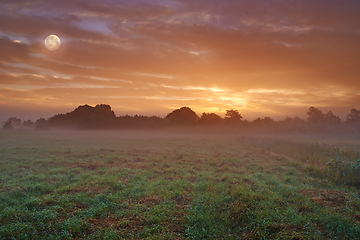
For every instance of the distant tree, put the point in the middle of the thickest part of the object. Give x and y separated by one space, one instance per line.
330 118
8 125
139 121
12 122
268 120
41 123
353 116
315 115
86 117
297 120
287 120
182 116
294 123
28 124
263 122
233 115
210 118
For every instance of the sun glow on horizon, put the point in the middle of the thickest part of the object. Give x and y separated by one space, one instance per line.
158 54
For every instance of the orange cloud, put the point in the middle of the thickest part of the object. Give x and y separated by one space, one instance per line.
262 57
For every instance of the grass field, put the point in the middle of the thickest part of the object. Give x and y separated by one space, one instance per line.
117 185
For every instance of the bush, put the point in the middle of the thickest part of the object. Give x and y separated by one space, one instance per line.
344 168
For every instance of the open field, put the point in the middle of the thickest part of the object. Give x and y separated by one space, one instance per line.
117 185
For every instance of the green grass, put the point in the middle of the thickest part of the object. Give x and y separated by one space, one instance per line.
108 185
344 168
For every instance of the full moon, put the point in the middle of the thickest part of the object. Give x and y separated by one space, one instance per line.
52 42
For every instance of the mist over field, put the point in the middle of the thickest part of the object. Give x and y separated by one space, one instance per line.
178 184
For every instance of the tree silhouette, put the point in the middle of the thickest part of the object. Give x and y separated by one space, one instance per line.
210 118
41 124
263 122
86 117
330 118
182 116
102 117
12 122
292 124
353 116
315 115
233 115
28 124
8 125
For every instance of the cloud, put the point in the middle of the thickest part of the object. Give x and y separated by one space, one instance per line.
12 51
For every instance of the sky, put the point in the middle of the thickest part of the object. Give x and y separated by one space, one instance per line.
261 57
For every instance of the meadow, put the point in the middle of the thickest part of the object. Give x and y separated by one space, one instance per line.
146 185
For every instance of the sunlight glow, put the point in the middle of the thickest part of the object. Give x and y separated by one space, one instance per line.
268 91
211 89
234 102
151 55
195 53
156 75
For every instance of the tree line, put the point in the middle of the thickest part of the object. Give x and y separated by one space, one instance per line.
102 117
